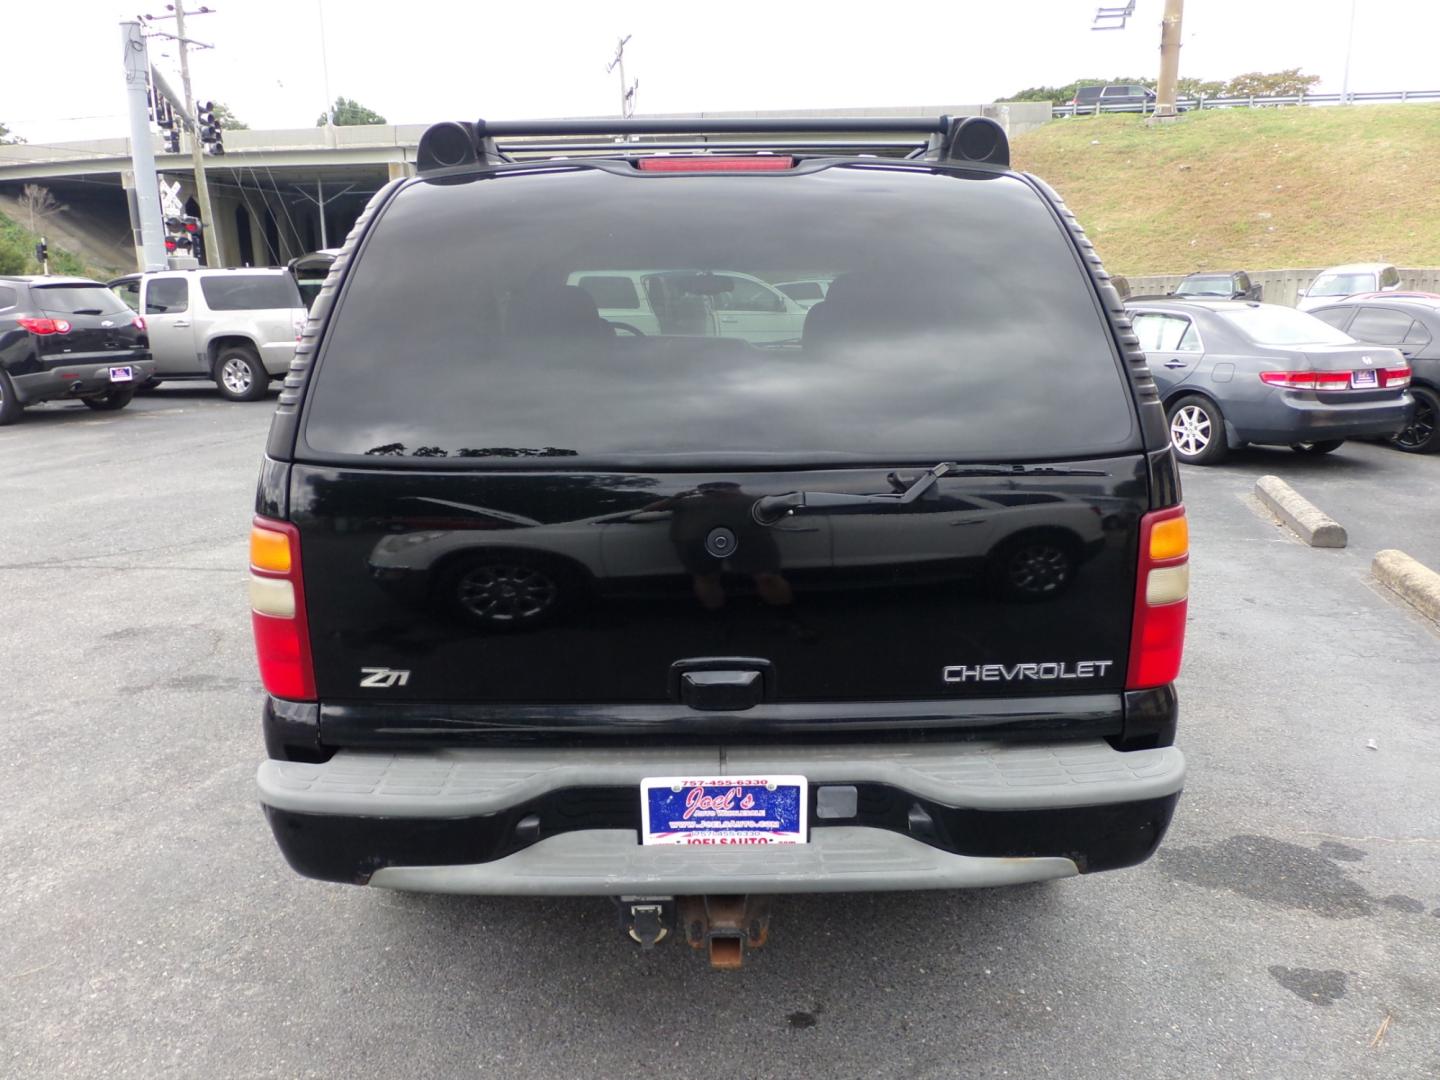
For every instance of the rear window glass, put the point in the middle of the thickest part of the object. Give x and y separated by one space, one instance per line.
1271 324
611 292
802 290
8 296
959 323
77 300
250 292
1212 285
1341 285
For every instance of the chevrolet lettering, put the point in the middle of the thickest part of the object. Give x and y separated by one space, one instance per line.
1082 669
630 551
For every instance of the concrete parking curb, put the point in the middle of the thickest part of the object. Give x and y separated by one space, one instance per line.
1308 521
1412 581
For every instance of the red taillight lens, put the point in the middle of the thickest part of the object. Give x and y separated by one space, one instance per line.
138 322
1307 380
753 163
1395 377
277 611
1162 590
42 327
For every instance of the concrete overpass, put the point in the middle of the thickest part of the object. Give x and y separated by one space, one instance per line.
269 186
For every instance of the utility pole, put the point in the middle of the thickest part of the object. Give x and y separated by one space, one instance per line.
145 211
197 148
1349 47
1169 58
627 93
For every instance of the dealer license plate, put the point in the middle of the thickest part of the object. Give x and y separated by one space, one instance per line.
1359 379
728 810
121 374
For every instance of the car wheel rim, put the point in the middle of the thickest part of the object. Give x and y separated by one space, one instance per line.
1190 430
1039 568
236 375
507 594
1421 428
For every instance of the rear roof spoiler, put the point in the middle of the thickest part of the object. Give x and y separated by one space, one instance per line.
957 140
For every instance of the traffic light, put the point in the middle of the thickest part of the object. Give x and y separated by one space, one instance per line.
211 136
42 251
172 141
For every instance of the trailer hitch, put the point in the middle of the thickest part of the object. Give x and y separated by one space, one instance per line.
725 926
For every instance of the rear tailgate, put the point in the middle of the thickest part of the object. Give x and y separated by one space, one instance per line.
100 326
564 587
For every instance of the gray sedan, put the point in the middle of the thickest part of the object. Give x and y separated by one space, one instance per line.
1237 372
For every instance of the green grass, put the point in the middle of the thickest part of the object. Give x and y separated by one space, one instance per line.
17 253
1251 189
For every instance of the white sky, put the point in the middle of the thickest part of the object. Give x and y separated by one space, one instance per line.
425 60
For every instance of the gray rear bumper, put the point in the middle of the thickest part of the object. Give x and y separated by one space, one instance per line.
452 820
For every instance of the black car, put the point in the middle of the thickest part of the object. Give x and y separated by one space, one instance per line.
1219 285
1412 325
67 338
548 605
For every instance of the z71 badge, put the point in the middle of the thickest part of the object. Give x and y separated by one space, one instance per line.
383 678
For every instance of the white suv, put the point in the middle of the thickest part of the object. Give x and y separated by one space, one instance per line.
237 327
693 304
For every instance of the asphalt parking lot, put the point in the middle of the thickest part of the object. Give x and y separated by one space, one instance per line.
1289 927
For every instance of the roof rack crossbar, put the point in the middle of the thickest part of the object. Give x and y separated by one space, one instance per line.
970 139
661 147
716 125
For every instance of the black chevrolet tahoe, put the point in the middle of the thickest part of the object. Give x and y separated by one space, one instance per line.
887 595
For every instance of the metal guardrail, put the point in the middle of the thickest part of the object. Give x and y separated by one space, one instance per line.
1254 102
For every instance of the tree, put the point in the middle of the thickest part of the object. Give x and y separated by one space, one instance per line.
6 138
1287 83
227 119
1063 94
40 204
348 113
1188 89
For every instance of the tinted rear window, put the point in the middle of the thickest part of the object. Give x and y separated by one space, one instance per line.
77 299
1213 285
959 324
250 292
1270 324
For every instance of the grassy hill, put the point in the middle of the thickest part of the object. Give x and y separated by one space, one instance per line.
1252 189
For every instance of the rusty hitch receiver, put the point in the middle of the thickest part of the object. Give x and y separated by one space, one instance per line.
725 925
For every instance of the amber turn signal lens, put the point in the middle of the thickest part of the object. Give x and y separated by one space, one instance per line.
269 550
1169 539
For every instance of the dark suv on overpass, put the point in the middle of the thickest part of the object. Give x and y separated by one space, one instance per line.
549 605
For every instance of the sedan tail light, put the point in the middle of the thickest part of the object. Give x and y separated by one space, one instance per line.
1333 380
42 327
1162 591
277 606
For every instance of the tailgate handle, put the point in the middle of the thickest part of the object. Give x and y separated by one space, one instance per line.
721 683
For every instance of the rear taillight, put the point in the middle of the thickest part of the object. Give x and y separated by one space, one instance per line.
1162 590
1307 380
697 163
42 327
277 611
1333 380
138 322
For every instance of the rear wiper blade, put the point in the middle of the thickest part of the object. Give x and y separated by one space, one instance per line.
1016 470
769 509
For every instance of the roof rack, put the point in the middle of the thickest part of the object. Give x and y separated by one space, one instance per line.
961 139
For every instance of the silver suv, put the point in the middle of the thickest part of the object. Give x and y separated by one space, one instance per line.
237 327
